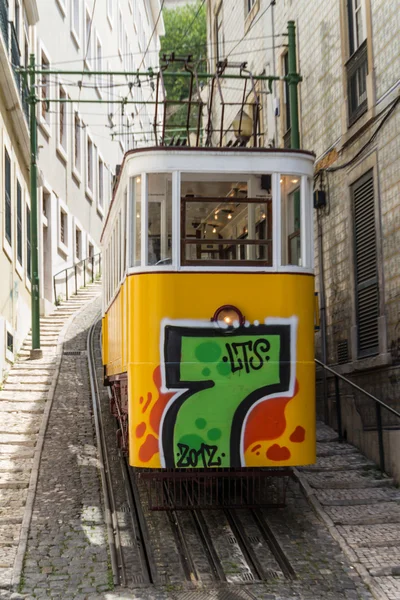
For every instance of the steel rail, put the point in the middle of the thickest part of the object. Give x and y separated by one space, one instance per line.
139 524
117 563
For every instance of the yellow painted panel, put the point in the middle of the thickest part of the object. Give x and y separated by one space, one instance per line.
252 393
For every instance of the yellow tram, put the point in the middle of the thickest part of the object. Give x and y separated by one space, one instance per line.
208 317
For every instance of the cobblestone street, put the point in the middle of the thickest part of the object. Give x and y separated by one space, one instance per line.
336 540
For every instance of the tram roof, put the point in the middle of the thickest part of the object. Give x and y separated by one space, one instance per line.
223 151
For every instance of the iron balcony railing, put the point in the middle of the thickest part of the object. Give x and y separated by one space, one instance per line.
82 271
379 406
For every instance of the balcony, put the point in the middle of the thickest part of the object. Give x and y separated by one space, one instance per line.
357 71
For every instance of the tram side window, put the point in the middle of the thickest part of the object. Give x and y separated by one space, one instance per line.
135 221
226 221
159 219
291 220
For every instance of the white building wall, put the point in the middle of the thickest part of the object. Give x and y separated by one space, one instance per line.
15 287
119 36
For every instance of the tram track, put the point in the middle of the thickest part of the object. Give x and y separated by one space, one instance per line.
194 546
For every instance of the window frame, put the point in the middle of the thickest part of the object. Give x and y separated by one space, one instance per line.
62 209
45 123
62 108
100 184
19 224
8 205
89 168
76 160
62 5
76 35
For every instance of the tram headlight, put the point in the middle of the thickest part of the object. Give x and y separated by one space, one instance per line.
228 316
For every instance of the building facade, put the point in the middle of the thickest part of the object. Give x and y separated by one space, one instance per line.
349 58
17 24
82 142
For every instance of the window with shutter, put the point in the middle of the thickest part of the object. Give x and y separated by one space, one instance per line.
366 266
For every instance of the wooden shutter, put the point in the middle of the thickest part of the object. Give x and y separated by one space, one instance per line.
366 266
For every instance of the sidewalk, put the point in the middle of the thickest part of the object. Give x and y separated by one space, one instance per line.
361 508
25 404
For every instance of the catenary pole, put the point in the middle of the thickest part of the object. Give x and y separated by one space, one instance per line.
36 352
294 79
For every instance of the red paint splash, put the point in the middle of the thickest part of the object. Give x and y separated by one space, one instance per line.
146 406
298 435
267 420
160 404
140 430
277 453
148 449
256 448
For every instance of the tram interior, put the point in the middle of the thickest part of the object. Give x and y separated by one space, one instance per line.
224 220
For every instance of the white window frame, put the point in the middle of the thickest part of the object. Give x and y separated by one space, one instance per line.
77 165
44 123
27 204
99 65
62 246
62 149
8 354
89 190
76 35
62 5
100 207
89 55
19 266
120 32
110 12
7 247
78 229
354 11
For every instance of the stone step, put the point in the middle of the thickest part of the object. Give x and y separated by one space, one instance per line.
357 497
29 377
385 512
8 552
15 465
32 396
17 439
9 534
371 536
25 407
14 481
350 461
26 387
335 449
27 345
42 363
349 480
19 370
19 424
15 451
325 433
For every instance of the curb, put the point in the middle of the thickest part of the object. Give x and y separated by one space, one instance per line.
311 497
26 521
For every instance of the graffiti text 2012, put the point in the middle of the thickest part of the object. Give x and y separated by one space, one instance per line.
204 456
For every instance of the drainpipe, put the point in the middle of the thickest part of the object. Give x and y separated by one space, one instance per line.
272 5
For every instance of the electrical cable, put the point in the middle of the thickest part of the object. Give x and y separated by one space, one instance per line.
253 25
371 139
87 49
152 34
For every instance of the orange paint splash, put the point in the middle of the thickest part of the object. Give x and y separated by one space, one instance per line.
146 406
140 430
277 453
160 404
256 448
267 420
298 435
148 449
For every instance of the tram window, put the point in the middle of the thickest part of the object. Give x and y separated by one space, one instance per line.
226 222
135 221
291 220
159 219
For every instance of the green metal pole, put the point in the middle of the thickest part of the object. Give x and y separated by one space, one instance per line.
294 79
36 352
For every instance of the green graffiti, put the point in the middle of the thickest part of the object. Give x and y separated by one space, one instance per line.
204 428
